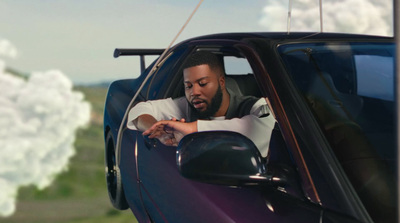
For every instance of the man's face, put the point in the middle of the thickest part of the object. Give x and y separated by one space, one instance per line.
203 89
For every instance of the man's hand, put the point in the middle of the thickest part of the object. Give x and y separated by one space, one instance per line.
171 132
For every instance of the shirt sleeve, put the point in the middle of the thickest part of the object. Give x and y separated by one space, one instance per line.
163 109
257 126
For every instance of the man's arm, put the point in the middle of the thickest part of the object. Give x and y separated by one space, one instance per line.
162 130
163 109
144 122
145 114
257 126
258 129
170 132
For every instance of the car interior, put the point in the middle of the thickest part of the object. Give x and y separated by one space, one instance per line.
243 83
240 83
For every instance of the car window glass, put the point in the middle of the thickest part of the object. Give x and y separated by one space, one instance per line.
239 76
163 75
377 76
349 88
235 65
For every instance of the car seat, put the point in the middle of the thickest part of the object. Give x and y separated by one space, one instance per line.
347 105
243 84
336 112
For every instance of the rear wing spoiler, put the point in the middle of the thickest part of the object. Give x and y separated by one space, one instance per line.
138 52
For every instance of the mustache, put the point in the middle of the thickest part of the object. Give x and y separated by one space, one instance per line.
198 100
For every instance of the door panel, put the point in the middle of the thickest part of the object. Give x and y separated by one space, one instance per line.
170 197
129 175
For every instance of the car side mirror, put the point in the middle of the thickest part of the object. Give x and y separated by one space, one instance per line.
222 157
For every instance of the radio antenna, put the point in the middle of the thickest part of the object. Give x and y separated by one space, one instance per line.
122 126
321 22
289 16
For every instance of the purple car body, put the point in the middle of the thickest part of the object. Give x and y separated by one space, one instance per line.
332 152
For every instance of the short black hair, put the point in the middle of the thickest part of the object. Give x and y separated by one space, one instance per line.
205 57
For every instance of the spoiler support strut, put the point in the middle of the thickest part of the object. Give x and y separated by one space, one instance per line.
138 52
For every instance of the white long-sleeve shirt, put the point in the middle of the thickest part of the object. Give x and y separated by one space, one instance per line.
257 126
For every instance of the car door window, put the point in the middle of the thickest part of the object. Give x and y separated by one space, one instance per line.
164 74
239 75
349 88
235 65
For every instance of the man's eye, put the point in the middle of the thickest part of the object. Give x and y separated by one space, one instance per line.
203 84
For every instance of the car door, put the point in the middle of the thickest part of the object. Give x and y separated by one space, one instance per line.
168 197
156 162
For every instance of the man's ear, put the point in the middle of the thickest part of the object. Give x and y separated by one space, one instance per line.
222 81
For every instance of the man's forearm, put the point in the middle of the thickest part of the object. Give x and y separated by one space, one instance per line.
144 122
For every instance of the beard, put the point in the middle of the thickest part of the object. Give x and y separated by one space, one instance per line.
213 107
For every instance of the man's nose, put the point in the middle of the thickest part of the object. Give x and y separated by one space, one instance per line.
195 90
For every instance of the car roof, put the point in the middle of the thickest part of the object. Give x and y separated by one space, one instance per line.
284 36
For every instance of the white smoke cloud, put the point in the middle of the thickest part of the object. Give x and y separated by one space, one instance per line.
350 16
38 120
7 49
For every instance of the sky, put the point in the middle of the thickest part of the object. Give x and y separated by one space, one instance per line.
79 37
62 43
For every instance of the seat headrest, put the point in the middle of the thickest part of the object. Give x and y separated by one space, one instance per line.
323 87
244 84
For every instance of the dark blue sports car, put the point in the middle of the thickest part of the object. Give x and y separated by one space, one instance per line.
332 156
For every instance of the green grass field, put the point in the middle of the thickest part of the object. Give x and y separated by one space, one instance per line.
78 195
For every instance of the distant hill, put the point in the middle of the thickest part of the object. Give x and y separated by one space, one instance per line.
25 75
16 72
103 84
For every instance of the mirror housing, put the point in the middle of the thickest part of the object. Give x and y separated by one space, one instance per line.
221 157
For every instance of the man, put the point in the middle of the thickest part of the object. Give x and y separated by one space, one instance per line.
208 106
